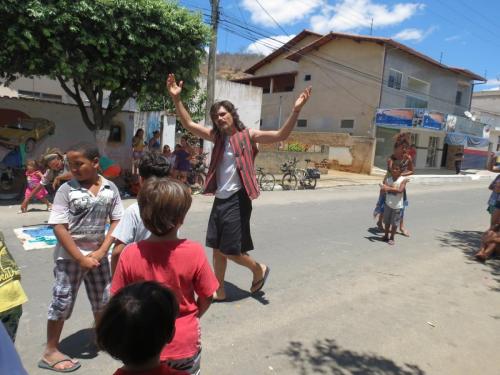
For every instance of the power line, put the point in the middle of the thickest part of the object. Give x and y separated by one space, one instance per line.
494 23
269 14
472 21
350 70
249 34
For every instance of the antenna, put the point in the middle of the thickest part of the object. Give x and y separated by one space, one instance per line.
371 27
441 58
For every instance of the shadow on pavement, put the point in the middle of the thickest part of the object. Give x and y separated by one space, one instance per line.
327 357
80 344
234 294
469 241
376 236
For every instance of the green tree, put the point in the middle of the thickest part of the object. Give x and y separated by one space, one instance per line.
101 51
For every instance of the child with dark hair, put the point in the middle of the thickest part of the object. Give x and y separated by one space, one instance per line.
178 264
131 229
182 156
394 187
136 325
79 214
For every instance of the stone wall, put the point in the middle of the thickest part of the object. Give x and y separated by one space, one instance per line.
271 161
345 152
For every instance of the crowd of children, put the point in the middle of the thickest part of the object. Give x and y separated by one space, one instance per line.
161 283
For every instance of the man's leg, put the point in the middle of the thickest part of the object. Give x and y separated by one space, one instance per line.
220 265
258 270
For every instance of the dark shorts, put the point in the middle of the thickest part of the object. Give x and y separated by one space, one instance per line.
229 224
392 216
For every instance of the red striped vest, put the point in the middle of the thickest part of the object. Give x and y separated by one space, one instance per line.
244 154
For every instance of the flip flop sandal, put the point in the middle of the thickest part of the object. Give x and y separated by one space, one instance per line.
262 281
51 366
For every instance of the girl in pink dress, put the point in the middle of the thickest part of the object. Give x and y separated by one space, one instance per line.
33 178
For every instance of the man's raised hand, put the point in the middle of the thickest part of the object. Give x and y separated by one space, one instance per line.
302 99
173 88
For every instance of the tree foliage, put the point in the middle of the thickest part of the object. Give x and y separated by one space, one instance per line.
103 51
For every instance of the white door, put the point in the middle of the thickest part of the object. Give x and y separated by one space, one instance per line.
432 152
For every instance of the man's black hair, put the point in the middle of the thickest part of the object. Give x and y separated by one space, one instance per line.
89 150
153 164
138 322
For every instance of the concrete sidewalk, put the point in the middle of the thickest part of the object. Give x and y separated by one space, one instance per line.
440 176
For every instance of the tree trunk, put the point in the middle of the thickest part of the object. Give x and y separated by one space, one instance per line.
101 139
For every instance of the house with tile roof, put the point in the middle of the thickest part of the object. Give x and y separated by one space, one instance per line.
353 78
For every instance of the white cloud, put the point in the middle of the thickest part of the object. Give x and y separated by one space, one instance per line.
267 45
415 35
283 11
453 38
494 88
352 15
493 82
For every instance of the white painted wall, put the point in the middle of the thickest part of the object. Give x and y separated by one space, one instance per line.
423 144
70 128
46 85
247 99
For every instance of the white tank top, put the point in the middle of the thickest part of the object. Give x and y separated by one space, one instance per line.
228 179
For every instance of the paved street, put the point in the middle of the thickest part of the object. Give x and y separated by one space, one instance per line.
338 301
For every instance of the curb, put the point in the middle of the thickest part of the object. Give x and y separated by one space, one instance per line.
416 179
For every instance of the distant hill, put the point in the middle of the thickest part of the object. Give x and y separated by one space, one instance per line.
232 65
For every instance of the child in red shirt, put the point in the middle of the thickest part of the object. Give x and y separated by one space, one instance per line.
178 264
135 326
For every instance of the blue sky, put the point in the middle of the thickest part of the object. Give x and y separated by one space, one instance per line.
465 32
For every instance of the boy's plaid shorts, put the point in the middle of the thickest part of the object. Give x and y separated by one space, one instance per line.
68 277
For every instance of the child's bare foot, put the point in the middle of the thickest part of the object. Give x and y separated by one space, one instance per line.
391 242
22 210
49 207
380 226
385 238
480 257
404 232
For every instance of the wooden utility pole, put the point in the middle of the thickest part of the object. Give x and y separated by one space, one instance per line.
212 52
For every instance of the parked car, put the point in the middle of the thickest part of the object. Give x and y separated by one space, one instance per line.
26 130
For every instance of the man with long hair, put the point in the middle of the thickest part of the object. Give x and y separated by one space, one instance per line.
231 178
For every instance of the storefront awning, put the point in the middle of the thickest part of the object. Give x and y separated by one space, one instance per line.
466 140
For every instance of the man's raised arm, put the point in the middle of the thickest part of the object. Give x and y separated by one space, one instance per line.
174 91
272 136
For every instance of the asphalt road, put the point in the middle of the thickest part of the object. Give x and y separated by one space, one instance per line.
338 301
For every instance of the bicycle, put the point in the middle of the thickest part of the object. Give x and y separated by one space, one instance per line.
265 180
197 173
293 175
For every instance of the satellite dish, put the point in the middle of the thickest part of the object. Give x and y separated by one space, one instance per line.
468 114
